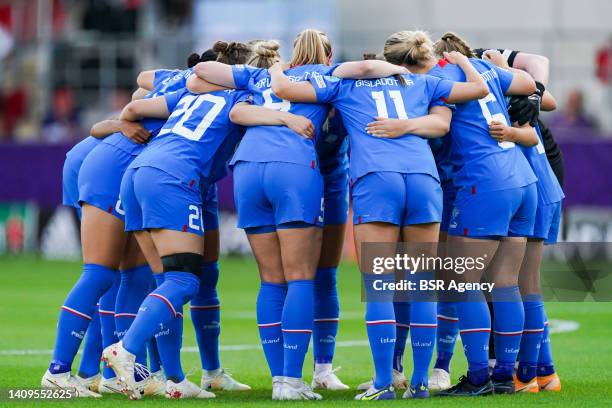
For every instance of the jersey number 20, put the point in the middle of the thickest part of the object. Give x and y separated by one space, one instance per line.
189 104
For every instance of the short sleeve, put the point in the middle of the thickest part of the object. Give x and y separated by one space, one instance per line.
326 87
173 98
505 77
438 90
242 96
242 75
162 75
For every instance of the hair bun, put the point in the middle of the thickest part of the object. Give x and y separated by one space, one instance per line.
267 49
220 47
192 60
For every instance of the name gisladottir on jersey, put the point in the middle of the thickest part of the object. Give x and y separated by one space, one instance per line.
372 83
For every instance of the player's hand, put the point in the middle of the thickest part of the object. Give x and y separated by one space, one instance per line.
501 132
495 57
456 58
134 131
524 109
300 125
387 128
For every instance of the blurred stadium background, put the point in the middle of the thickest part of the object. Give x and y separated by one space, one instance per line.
65 64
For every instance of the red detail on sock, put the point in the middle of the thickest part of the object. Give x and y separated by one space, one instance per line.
473 189
110 209
191 183
465 232
359 219
313 164
185 228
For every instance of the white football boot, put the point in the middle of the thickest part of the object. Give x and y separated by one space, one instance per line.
297 389
399 382
439 380
65 381
91 383
277 384
155 384
325 378
221 380
123 363
186 389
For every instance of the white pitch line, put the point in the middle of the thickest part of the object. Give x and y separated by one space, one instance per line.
556 326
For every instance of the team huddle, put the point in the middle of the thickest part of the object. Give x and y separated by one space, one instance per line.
431 141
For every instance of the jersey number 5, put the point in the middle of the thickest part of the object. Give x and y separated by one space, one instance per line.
269 102
498 117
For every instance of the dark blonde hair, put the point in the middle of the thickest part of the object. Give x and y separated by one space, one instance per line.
452 42
265 54
232 52
408 48
311 47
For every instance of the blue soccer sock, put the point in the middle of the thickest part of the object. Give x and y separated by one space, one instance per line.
92 348
76 314
380 326
206 316
532 337
507 328
297 321
402 326
107 321
423 338
169 341
475 329
448 329
270 302
160 307
326 315
545 360
153 350
133 289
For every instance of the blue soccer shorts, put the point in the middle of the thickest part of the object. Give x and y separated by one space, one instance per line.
397 198
501 213
274 193
154 199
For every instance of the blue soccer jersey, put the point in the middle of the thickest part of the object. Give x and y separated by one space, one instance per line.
282 144
441 149
168 80
481 163
198 126
549 189
360 101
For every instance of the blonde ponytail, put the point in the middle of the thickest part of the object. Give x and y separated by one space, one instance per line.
311 47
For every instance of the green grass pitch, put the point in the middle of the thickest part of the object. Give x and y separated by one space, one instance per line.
32 291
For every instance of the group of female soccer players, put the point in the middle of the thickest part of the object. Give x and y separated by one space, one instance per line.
433 157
